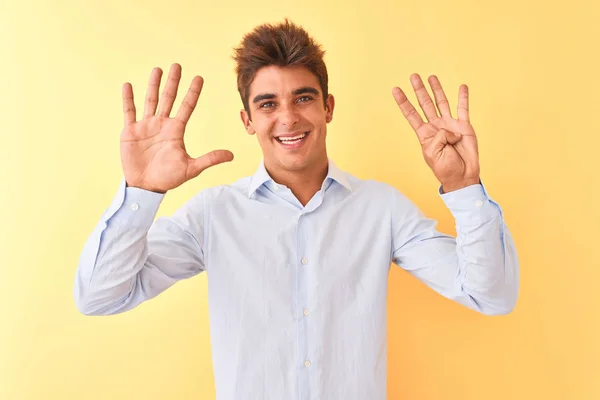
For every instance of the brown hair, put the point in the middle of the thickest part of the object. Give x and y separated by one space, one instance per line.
285 44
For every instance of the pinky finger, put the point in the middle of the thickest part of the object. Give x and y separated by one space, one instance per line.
463 103
128 104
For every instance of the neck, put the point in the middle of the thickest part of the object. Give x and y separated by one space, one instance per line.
303 183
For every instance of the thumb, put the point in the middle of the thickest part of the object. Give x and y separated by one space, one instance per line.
452 137
197 165
442 138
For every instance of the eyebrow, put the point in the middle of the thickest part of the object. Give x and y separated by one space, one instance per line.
302 90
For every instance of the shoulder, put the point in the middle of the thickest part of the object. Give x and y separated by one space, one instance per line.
380 196
373 190
223 194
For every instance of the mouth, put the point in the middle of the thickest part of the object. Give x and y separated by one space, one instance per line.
293 142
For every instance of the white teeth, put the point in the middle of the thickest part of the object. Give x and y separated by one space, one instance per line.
291 139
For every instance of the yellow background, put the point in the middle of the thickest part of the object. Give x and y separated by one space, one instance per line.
532 69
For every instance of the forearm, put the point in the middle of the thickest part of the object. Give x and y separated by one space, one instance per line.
478 268
108 274
488 270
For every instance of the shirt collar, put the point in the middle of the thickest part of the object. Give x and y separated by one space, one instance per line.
261 176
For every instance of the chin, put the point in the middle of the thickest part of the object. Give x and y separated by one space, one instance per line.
294 163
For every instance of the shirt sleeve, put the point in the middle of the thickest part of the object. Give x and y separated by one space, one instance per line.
130 257
478 268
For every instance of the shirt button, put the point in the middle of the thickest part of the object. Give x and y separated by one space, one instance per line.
304 261
478 203
305 311
307 363
135 206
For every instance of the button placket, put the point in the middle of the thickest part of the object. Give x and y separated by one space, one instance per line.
303 304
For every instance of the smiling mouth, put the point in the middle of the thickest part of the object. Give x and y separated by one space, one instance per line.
294 140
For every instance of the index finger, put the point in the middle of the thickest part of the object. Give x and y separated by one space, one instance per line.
190 100
408 110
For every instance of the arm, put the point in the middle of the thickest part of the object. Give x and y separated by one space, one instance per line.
129 258
478 269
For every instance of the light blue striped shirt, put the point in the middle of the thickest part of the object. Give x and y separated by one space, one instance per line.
297 295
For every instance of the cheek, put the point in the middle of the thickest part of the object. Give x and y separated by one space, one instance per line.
264 130
317 117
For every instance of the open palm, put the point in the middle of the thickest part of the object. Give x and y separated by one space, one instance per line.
153 153
449 145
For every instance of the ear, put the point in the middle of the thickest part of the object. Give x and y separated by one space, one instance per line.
247 122
329 105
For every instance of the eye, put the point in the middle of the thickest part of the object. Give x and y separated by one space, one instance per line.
267 104
304 99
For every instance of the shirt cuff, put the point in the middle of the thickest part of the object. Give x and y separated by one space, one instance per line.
470 205
134 207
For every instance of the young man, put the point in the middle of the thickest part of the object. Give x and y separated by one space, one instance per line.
297 254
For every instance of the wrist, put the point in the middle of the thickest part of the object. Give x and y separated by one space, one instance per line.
452 186
158 191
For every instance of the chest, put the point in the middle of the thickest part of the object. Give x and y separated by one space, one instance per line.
276 248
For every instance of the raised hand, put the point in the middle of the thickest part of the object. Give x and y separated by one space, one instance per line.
153 154
449 145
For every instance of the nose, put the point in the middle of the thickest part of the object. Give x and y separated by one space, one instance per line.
288 115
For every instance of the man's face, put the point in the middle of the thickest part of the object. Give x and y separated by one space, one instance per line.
288 117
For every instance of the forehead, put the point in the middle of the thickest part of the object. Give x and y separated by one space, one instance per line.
282 80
